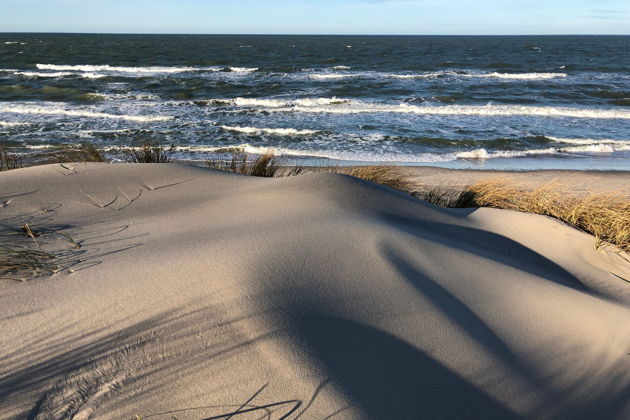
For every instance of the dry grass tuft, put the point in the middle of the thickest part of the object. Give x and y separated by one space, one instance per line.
17 260
265 165
269 165
446 197
9 161
389 176
82 152
149 153
606 215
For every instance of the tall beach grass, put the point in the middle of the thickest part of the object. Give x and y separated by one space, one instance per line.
9 161
606 215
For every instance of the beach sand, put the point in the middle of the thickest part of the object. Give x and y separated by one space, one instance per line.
196 293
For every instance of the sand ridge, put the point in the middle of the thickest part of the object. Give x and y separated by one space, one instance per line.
196 293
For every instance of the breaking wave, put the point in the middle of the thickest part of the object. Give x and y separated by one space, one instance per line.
139 71
348 106
274 131
434 75
42 110
58 74
592 148
11 124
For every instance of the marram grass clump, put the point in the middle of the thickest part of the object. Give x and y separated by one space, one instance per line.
269 165
606 215
389 176
265 165
149 153
82 152
9 161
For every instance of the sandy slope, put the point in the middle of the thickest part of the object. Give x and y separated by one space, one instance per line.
197 293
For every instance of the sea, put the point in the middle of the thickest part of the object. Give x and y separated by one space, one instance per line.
483 102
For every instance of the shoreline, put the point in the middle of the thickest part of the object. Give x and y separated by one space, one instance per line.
428 177
583 163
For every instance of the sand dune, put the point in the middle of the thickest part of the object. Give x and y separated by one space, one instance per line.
195 294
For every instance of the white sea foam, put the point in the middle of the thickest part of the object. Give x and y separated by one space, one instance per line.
592 148
40 74
140 71
340 106
376 75
484 154
435 74
342 68
118 69
12 124
596 148
249 102
347 106
43 110
334 101
278 103
14 43
520 76
429 75
589 141
274 131
329 76
243 69
38 147
359 156
58 74
88 75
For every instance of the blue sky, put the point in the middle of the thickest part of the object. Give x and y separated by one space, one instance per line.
318 16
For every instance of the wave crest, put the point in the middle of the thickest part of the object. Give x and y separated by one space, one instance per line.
274 131
42 110
347 106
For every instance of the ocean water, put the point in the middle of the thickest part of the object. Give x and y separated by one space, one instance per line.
467 102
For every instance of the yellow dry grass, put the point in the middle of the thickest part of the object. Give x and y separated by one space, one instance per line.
18 260
390 176
606 215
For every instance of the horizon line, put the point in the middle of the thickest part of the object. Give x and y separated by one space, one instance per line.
286 34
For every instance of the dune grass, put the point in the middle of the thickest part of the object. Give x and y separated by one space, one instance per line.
606 215
149 153
9 161
82 152
389 176
265 165
269 165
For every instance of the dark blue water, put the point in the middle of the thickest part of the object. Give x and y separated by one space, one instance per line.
488 102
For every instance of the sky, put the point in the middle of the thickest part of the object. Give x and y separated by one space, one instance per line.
414 17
